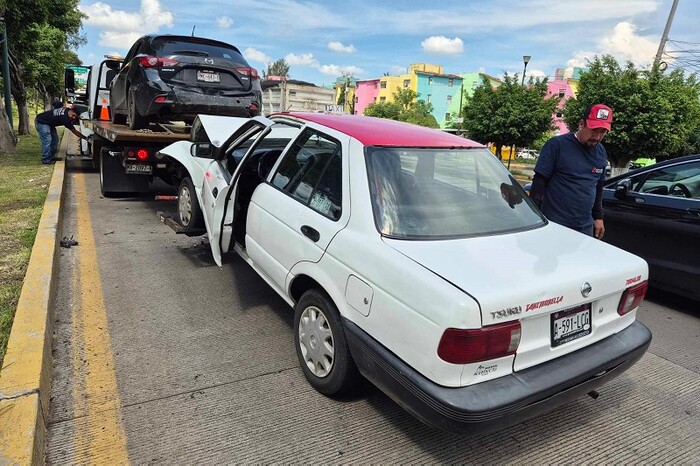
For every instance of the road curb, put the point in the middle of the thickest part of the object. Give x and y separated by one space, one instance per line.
25 378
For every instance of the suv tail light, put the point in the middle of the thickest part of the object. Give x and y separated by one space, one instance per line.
149 61
464 346
632 297
250 72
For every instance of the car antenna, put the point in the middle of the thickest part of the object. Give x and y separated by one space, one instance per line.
193 29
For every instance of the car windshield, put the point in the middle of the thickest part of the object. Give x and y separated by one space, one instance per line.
445 193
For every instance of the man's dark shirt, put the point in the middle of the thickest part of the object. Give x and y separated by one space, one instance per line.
572 176
56 117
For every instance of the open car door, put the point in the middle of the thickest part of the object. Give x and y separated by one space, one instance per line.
220 179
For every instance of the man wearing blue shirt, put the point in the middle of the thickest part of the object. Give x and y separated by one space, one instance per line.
570 172
45 124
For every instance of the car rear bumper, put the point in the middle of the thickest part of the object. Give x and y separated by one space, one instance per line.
188 103
501 402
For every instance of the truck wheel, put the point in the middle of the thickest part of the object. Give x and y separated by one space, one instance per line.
136 121
188 205
321 347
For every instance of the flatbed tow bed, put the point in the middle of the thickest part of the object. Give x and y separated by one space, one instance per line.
128 159
156 132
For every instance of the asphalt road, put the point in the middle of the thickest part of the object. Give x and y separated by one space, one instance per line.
160 356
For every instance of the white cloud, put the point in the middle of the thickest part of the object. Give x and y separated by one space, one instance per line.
580 59
339 47
224 22
335 70
256 55
305 59
121 28
443 45
535 74
624 44
121 40
399 70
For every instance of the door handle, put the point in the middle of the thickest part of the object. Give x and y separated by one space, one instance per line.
310 233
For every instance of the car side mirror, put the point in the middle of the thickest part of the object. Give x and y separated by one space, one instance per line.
202 150
622 188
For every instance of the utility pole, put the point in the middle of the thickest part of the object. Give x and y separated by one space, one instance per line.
6 71
664 37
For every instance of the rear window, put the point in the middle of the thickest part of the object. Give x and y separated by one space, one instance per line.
164 47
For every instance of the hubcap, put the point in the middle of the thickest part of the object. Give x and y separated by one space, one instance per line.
316 341
184 203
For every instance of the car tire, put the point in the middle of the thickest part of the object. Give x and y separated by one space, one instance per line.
135 120
189 212
321 346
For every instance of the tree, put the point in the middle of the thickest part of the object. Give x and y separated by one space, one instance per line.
388 110
32 26
654 114
404 107
420 113
405 97
510 115
8 140
277 68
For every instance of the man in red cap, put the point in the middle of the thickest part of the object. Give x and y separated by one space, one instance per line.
570 172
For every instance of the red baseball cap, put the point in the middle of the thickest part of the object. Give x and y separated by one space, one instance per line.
599 116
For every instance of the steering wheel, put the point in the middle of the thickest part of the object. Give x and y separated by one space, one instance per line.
679 187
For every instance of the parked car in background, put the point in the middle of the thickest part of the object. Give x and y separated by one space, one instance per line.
654 212
412 257
177 77
527 154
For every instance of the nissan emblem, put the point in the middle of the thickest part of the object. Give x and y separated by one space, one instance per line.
586 289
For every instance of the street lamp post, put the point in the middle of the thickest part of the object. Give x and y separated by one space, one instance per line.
526 60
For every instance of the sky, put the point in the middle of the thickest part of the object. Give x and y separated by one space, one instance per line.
322 40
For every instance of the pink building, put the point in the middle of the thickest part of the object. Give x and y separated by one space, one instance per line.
559 88
365 93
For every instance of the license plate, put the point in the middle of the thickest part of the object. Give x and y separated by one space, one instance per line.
571 324
208 76
139 169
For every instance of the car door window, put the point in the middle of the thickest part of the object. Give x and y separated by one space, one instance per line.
311 173
679 181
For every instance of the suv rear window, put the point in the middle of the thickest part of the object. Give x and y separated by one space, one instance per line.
164 47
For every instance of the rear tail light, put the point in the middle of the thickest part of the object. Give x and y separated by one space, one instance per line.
250 72
160 99
632 297
157 62
140 154
464 346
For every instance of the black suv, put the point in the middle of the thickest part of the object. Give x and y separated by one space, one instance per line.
168 77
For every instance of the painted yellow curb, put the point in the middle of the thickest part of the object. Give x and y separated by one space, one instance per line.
25 378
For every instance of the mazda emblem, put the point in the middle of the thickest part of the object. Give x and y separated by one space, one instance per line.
209 61
586 289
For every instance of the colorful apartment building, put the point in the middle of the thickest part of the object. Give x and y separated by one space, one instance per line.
560 89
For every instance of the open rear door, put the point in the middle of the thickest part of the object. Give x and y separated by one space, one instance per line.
218 199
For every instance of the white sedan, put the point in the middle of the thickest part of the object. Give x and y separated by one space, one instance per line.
411 257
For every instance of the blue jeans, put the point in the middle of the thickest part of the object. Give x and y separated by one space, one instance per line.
49 141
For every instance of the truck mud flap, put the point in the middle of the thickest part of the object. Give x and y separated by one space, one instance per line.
114 182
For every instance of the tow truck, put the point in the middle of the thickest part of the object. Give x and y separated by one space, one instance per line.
127 159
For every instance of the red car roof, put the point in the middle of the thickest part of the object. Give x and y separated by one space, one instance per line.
372 131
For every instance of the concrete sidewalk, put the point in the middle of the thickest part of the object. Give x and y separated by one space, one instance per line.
25 378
